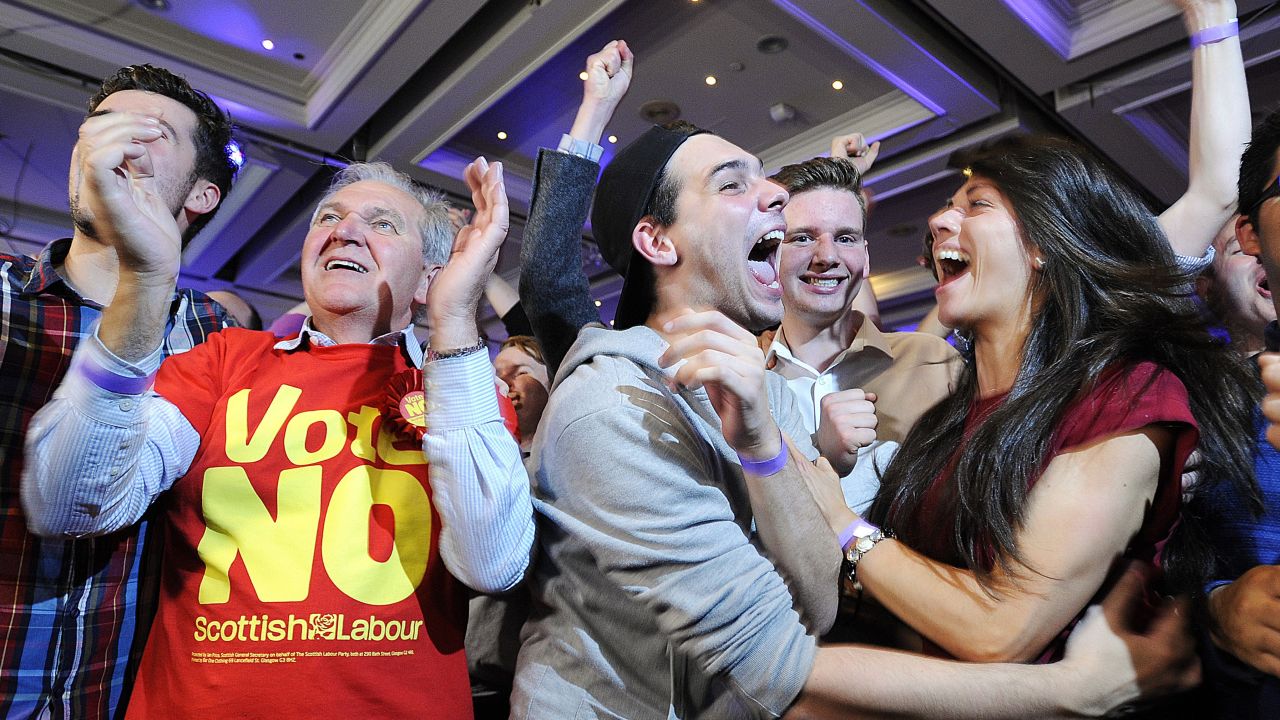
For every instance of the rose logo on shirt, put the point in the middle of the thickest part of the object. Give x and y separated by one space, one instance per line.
324 626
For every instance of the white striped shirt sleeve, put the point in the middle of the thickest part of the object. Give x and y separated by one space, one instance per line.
97 459
478 481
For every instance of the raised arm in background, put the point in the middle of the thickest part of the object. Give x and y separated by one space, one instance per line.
553 287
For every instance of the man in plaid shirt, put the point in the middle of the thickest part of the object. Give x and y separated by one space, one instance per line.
73 612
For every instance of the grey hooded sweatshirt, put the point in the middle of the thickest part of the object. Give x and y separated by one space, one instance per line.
650 597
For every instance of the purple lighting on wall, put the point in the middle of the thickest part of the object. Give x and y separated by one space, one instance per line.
1044 21
1165 141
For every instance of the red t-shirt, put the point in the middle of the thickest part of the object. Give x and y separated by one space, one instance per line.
1124 400
301 576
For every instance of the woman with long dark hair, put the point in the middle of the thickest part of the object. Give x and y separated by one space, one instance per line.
1062 450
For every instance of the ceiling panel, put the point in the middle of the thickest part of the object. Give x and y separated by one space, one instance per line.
428 84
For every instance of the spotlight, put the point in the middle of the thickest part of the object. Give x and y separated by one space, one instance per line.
711 80
837 85
235 154
502 135
268 44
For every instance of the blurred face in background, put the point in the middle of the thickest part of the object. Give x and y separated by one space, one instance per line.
528 387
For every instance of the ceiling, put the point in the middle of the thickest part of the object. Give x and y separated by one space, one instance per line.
428 84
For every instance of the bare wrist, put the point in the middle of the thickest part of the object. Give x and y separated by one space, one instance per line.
591 119
1200 17
1071 691
144 280
768 446
448 335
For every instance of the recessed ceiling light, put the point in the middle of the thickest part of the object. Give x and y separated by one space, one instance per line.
158 5
711 80
597 303
837 85
268 44
582 75
502 135
659 112
771 44
613 139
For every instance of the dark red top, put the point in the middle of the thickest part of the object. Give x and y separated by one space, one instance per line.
1124 400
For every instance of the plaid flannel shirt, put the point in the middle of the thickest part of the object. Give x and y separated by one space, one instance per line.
73 613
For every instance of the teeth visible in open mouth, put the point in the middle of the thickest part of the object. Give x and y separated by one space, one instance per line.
763 251
773 236
824 282
952 254
344 265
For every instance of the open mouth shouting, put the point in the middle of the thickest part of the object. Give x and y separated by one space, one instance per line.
951 263
762 261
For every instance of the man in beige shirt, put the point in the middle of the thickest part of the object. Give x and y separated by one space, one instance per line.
835 360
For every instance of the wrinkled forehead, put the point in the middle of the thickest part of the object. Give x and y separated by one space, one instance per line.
372 197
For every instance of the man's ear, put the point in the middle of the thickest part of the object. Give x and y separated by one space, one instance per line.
1247 236
424 283
653 243
203 198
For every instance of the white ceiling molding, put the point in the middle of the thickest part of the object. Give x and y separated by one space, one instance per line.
1139 77
76 47
1052 21
300 100
360 43
51 88
927 165
513 51
1076 29
1102 22
890 113
120 40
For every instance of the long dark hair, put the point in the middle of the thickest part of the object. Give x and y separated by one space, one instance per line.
1109 294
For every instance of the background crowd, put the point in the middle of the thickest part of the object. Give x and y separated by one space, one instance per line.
740 498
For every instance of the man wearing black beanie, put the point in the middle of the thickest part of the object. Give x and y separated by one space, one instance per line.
683 569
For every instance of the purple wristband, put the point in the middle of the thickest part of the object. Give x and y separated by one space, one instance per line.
848 533
111 382
768 467
1214 34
